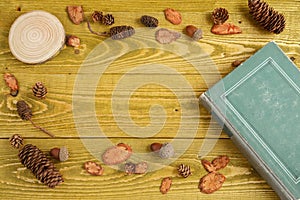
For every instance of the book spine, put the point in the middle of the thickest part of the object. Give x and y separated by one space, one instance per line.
254 159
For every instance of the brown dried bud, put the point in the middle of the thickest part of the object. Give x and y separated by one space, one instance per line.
93 168
211 182
12 83
220 15
155 146
236 63
208 166
166 184
225 29
72 41
173 16
193 32
220 162
75 14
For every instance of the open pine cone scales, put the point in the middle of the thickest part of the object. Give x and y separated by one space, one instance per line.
39 90
266 16
220 15
35 160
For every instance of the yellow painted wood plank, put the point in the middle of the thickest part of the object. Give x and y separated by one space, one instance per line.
18 182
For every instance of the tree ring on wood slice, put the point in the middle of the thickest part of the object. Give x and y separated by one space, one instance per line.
36 36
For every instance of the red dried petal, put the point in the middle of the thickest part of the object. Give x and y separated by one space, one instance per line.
220 162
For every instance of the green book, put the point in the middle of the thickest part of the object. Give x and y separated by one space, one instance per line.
258 105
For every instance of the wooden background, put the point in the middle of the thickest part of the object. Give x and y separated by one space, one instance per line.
55 112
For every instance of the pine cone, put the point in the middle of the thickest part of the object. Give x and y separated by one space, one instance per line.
220 15
16 141
184 170
121 32
108 19
266 16
97 16
149 21
39 90
24 110
35 160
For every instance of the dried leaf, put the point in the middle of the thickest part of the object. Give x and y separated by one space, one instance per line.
220 162
208 166
93 168
12 83
211 182
173 16
75 14
165 36
116 154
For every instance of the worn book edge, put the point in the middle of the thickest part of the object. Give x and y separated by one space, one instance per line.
258 164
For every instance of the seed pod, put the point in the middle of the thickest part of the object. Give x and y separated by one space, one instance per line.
73 41
16 141
108 19
193 32
184 170
149 21
39 90
116 33
97 16
220 15
25 113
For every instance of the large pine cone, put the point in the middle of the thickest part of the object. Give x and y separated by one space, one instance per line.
220 15
266 16
35 160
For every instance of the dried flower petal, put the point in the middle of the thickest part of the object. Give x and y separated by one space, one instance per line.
75 14
208 166
93 168
173 16
12 83
116 154
211 182
220 162
165 36
165 185
225 29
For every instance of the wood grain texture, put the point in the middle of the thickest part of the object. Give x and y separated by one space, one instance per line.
56 114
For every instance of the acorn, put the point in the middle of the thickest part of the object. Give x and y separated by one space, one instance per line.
155 146
60 154
194 32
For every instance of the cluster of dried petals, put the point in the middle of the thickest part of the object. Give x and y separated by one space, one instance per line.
165 186
76 14
93 168
117 154
213 181
173 16
73 41
132 168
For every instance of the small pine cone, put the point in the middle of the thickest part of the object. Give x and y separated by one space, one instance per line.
43 169
39 90
97 16
16 141
266 16
108 19
149 21
184 170
121 32
220 15
24 110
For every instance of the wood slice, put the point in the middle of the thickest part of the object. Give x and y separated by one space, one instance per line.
36 36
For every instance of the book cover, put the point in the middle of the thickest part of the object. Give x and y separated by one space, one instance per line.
258 105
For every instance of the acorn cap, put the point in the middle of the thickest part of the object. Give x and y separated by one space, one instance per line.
166 151
63 154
